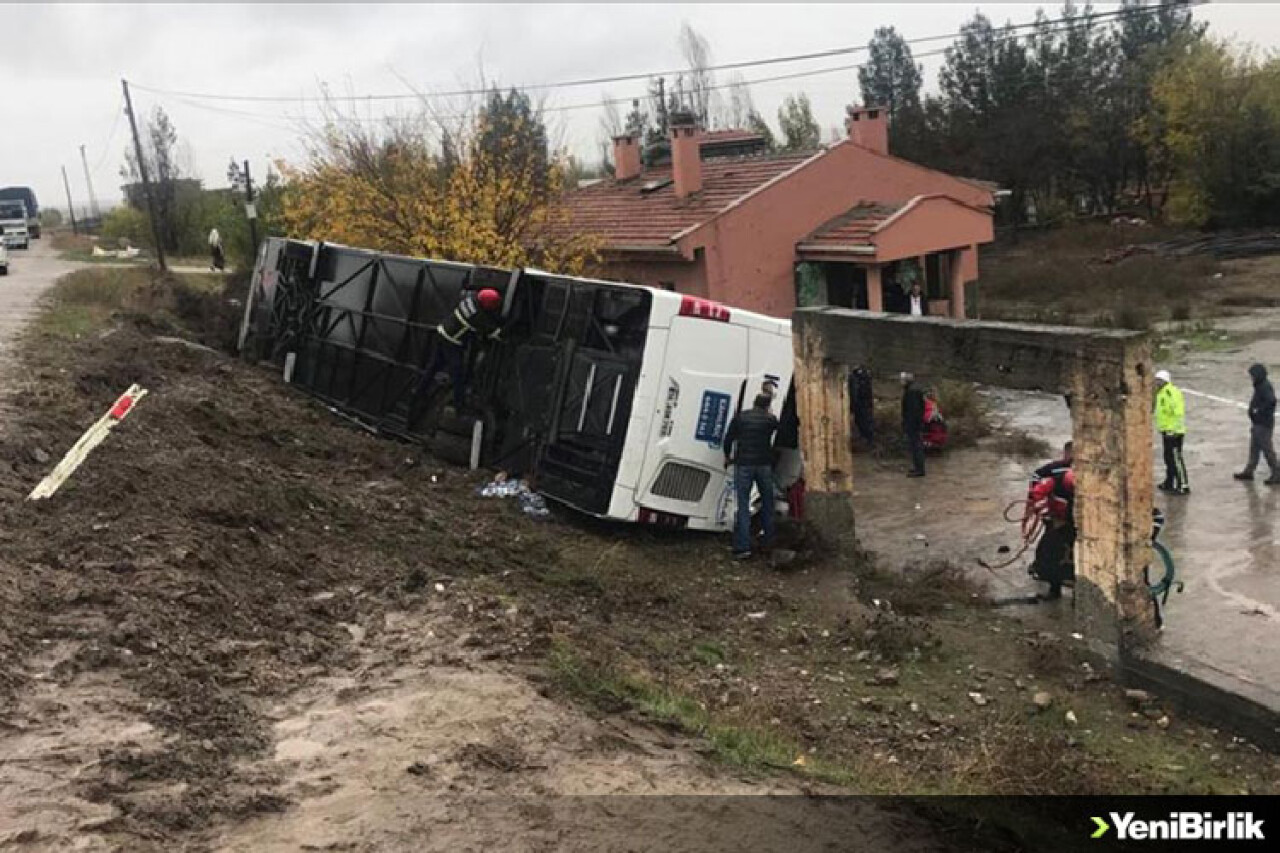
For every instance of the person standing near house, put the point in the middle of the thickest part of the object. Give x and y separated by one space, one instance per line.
217 260
913 423
1262 420
748 447
917 301
1171 421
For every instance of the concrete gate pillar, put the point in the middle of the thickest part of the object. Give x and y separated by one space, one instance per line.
1111 427
1106 372
822 395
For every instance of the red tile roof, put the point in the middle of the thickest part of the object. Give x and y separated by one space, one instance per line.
713 137
624 216
854 227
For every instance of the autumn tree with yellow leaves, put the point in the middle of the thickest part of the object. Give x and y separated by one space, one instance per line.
483 191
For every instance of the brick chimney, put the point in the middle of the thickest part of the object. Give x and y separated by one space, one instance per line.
686 154
626 157
868 127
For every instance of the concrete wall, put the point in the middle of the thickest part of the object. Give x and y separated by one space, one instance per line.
1108 374
751 248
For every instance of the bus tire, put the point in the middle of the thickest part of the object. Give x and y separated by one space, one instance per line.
451 448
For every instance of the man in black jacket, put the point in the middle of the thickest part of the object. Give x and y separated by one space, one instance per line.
1262 417
913 423
862 403
748 446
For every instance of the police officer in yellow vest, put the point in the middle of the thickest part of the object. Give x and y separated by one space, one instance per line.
1171 421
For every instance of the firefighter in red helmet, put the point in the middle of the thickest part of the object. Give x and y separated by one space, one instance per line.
1051 496
479 312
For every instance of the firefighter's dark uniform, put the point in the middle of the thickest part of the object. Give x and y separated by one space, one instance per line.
450 348
1054 560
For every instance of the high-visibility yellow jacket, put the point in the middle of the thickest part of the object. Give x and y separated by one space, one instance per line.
1171 411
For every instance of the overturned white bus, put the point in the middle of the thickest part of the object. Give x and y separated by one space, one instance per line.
613 398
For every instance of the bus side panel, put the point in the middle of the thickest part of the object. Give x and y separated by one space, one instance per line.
701 383
645 410
709 371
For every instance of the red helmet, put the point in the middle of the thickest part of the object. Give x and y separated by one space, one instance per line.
489 299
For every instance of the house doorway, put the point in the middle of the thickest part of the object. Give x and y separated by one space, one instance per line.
828 283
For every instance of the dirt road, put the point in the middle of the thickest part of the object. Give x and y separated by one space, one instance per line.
31 273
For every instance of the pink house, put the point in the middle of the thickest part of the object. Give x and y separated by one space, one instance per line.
848 225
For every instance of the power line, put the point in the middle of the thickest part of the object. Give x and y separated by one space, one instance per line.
1001 35
111 135
622 78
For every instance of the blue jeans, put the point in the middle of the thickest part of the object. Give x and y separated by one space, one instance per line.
744 477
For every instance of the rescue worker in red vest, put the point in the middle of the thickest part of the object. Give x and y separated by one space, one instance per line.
1051 497
480 313
1171 421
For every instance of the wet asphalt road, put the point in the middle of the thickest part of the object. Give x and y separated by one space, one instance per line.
1224 535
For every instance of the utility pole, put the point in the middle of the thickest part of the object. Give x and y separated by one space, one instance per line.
146 182
71 208
88 180
251 211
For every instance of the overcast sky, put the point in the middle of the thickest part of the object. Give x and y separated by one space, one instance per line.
62 66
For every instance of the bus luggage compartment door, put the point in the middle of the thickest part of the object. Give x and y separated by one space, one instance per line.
579 461
705 382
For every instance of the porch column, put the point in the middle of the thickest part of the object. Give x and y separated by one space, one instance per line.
875 291
956 269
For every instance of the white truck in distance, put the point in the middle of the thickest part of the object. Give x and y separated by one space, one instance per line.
13 225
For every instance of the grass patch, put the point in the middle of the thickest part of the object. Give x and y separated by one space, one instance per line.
1020 444
79 248
83 301
1059 277
965 411
608 688
1182 338
89 300
709 654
